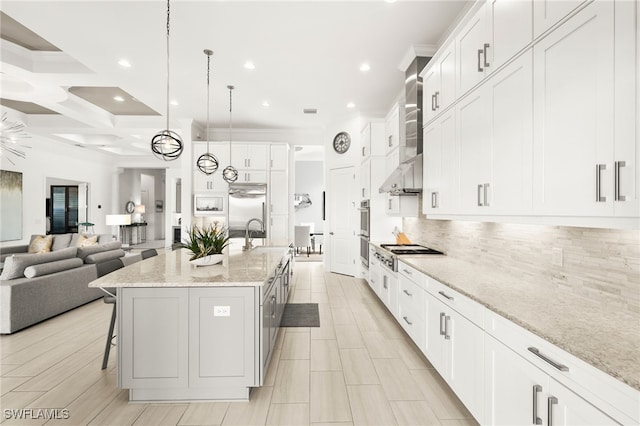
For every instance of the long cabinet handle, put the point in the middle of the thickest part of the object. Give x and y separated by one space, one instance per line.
445 295
442 329
484 54
536 390
550 403
599 169
616 193
548 360
406 271
479 64
447 320
407 320
480 187
486 194
407 293
433 102
437 95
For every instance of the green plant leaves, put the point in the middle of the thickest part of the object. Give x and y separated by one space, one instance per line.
206 241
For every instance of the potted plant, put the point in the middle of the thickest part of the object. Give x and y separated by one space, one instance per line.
206 244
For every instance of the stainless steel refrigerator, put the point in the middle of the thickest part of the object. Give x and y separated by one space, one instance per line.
247 201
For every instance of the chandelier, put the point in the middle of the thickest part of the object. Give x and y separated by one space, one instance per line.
10 134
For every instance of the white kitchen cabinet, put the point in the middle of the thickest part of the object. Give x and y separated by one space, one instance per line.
374 271
411 307
439 82
279 156
279 192
279 230
394 128
574 116
372 140
564 408
365 179
495 33
213 182
249 156
253 176
547 13
440 166
389 290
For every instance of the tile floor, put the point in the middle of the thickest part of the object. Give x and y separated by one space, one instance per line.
357 368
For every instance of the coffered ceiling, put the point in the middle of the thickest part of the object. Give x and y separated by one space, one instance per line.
61 74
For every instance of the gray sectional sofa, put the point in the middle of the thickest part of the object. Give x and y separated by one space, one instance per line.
35 287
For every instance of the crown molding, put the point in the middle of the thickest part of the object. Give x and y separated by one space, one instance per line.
427 50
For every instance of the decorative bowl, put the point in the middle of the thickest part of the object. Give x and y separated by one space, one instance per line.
212 259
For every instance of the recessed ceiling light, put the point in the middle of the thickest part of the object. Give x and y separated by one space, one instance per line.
365 67
174 103
265 104
351 105
124 63
118 98
249 65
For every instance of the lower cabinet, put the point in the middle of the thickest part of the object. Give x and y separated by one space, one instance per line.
187 343
518 393
389 290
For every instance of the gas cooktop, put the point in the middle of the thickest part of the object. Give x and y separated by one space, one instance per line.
409 249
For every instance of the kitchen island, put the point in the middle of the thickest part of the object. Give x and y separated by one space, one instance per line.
198 333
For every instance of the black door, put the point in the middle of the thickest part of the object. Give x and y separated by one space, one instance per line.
64 209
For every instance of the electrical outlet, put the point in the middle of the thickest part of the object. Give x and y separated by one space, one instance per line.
222 311
557 256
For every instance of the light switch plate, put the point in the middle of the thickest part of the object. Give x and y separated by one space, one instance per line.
222 311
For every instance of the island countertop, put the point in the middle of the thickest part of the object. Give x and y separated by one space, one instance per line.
172 269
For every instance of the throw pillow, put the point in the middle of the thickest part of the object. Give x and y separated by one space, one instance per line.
60 241
84 241
40 244
51 267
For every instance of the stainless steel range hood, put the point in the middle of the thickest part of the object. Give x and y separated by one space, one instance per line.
406 179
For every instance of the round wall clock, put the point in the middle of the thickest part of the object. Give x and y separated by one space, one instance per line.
129 207
341 142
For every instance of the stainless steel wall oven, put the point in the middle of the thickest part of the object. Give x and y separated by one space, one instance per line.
365 224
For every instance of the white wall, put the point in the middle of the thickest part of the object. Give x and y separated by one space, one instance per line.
45 160
310 180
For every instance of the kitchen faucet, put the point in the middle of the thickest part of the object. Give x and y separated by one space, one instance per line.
247 241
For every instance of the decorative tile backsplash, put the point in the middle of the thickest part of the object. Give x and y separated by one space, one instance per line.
601 262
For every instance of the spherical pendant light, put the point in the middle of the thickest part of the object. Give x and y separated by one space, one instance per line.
166 144
207 163
230 173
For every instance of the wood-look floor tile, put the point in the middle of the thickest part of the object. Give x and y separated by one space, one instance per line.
119 411
204 414
409 353
329 399
292 382
319 298
332 424
441 399
8 384
17 400
326 329
288 414
270 378
458 422
357 367
349 337
253 412
296 345
342 316
411 413
396 380
91 402
366 321
57 372
378 345
369 406
161 415
325 356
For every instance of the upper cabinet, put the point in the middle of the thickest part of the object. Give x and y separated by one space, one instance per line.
492 36
394 128
439 83
546 115
249 156
549 12
372 140
279 156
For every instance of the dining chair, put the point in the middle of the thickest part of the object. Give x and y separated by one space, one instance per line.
302 237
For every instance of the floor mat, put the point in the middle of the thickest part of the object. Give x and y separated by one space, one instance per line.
300 315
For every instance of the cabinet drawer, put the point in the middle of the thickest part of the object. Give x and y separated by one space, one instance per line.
466 307
411 297
414 324
611 396
413 274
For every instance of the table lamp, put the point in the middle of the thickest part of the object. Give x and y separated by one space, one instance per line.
118 220
140 210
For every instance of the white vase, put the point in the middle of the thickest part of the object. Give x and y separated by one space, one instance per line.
212 259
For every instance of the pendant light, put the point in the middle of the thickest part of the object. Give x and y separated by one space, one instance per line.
167 145
230 173
207 163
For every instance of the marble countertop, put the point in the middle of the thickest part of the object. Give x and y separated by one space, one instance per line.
172 269
606 338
